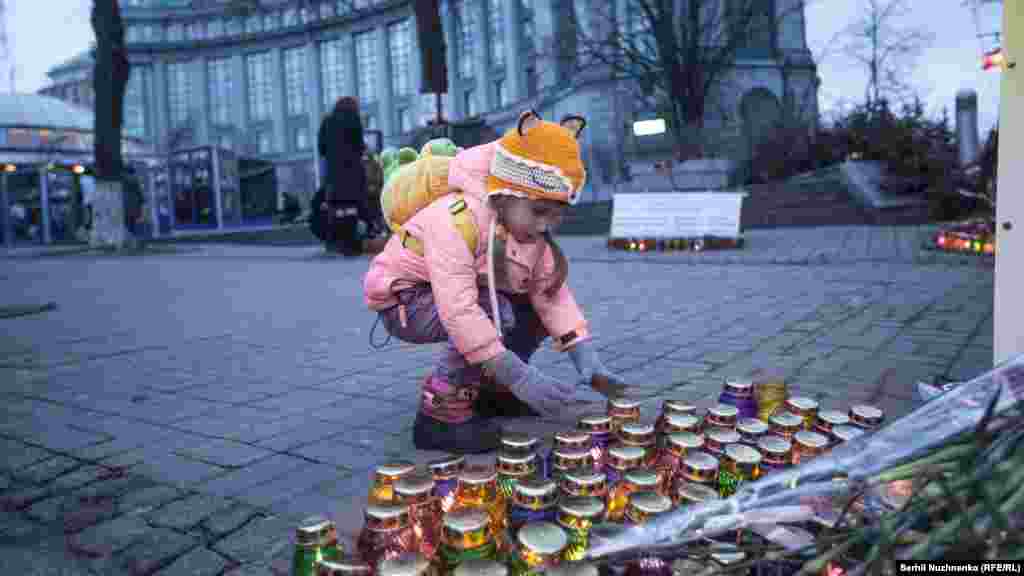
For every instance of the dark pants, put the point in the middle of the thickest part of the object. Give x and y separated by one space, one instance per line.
449 393
345 232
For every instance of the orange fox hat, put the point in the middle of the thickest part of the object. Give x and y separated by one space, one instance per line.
539 160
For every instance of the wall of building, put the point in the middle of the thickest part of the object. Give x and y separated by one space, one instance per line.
524 74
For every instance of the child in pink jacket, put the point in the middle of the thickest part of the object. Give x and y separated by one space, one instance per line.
431 288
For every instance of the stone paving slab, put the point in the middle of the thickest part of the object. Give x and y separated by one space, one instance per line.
210 427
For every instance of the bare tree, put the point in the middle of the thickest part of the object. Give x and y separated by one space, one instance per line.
110 79
678 51
884 48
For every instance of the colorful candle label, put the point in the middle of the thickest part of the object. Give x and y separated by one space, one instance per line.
579 539
451 557
728 482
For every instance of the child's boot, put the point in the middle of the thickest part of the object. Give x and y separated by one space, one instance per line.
447 421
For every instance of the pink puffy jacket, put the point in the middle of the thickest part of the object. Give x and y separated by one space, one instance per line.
452 270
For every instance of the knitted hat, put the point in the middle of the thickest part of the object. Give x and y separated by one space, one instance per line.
539 160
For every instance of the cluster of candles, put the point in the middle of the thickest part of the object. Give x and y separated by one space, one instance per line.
674 244
977 236
964 242
533 509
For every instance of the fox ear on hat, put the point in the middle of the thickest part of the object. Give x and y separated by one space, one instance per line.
574 124
528 120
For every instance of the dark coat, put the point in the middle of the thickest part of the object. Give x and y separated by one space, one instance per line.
340 142
317 217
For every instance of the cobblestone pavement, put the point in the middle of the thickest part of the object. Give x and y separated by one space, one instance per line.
178 413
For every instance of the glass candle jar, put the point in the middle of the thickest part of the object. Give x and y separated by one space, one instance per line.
687 494
751 430
584 483
512 468
344 566
416 491
540 547
621 411
621 459
676 448
842 434
808 445
717 439
599 426
478 488
534 500
785 424
481 567
721 416
569 460
410 564
675 423
740 464
828 420
805 408
566 441
577 516
641 436
673 408
776 453
313 543
866 417
387 532
446 478
636 480
700 468
517 444
770 393
466 535
642 507
384 478
739 393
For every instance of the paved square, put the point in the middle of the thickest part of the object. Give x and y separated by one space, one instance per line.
180 412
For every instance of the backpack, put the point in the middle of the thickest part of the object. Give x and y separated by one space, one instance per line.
413 181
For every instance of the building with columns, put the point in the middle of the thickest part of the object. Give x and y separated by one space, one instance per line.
259 83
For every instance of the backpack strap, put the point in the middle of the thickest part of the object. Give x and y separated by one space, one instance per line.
462 217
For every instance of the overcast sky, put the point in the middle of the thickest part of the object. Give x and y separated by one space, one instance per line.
43 33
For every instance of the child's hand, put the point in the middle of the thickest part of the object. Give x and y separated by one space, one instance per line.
593 373
541 392
608 385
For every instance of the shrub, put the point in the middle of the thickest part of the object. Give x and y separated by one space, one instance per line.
913 148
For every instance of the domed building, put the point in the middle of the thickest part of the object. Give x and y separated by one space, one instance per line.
46 150
256 76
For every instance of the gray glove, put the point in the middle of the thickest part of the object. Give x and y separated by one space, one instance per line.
584 357
542 393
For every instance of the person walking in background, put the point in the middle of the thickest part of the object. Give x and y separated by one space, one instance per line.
340 142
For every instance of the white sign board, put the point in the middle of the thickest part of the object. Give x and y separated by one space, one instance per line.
677 215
